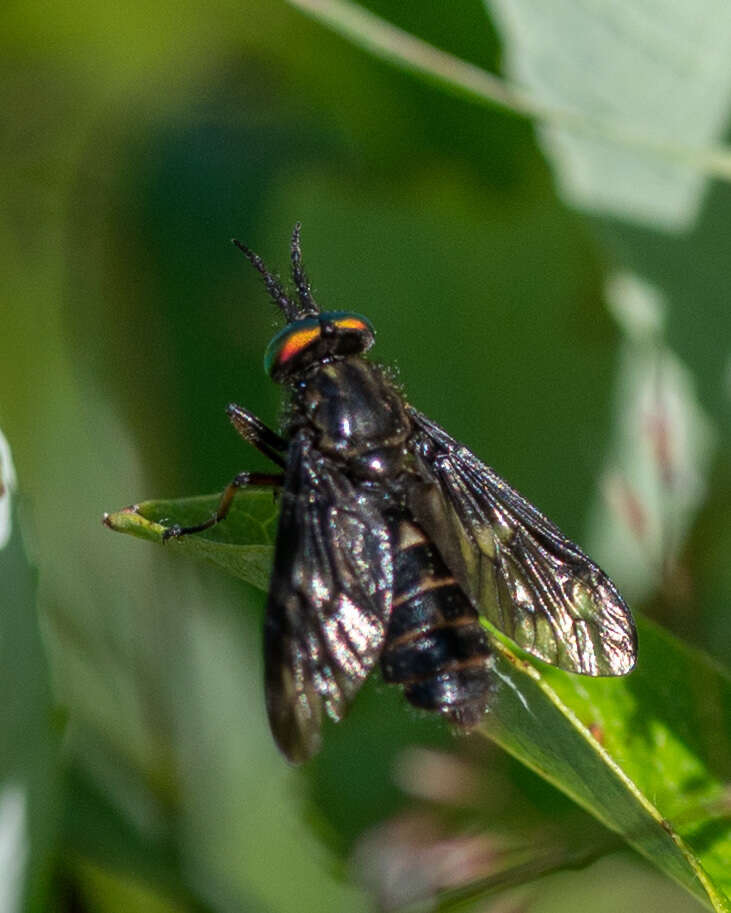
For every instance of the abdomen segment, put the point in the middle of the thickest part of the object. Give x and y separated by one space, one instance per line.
436 648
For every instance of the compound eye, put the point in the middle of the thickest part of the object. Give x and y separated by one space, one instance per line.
295 342
289 342
351 322
311 339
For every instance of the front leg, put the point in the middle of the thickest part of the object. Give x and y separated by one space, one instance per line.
254 431
241 481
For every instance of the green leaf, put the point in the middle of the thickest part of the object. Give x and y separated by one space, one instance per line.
647 755
242 545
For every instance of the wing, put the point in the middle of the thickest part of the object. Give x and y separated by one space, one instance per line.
530 581
329 599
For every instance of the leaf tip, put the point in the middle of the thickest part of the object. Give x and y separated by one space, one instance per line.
131 521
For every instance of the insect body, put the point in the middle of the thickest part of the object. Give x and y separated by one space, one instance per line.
391 536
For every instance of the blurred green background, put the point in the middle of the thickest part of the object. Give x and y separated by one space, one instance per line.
136 141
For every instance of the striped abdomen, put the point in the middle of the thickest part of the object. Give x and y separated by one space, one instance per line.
435 646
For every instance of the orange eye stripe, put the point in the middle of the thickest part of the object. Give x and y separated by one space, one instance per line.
350 323
302 338
296 342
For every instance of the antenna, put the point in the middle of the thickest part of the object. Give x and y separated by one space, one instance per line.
309 307
272 283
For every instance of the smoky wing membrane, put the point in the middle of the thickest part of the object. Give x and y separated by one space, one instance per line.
528 579
329 600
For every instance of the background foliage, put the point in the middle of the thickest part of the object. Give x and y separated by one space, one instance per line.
575 339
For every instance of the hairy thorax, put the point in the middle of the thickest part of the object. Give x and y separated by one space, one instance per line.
357 416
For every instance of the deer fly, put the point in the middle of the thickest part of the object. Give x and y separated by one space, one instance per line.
392 538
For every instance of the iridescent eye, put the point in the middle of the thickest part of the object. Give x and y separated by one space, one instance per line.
303 341
289 341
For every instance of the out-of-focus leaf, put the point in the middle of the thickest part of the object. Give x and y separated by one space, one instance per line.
127 829
614 91
656 475
109 892
8 483
661 69
29 738
126 842
647 754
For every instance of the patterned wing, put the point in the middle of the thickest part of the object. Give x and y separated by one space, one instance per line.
329 599
529 580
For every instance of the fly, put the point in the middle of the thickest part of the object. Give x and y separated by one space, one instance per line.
392 538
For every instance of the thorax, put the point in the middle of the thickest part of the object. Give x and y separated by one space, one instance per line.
357 415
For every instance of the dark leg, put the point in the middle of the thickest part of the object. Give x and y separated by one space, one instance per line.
241 481
256 432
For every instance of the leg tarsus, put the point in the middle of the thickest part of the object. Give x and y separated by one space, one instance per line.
242 480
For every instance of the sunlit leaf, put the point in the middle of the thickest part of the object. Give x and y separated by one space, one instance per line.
648 755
